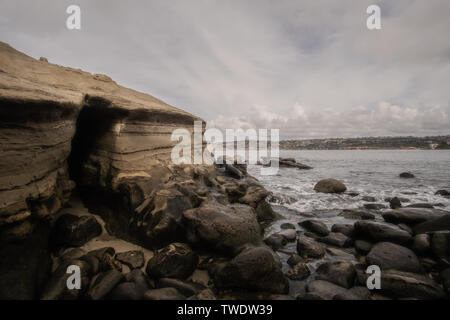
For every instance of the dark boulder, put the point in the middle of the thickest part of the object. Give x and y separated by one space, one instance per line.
343 228
336 239
411 216
163 294
186 288
323 290
104 284
74 231
377 232
133 259
330 186
177 260
309 248
341 273
388 255
315 226
395 203
357 214
298 272
406 175
441 223
255 268
223 228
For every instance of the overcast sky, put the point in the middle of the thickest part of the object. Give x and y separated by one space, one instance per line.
309 68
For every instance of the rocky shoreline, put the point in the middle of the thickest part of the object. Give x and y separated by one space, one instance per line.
87 181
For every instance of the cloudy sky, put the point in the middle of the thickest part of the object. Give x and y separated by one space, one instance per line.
309 68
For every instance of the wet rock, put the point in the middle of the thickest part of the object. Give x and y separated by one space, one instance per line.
442 193
445 278
309 248
406 175
356 214
255 268
339 253
73 231
126 291
395 203
374 206
138 277
421 243
264 212
133 259
186 288
315 226
105 257
343 228
276 241
330 186
377 232
336 239
369 199
289 234
411 216
405 285
287 225
363 247
388 255
234 172
341 273
294 259
440 245
104 283
298 272
292 163
405 227
441 223
254 195
420 205
176 260
324 290
224 228
163 294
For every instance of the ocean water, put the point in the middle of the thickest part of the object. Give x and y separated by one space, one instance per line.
372 173
368 172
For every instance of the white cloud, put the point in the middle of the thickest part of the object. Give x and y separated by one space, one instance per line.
313 65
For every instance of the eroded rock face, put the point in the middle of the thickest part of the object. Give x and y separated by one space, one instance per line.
117 140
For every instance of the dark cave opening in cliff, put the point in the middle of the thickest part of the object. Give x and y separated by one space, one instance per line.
96 118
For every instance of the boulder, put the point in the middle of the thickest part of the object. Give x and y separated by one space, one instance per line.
324 290
309 248
336 239
104 284
315 226
276 241
264 212
126 291
363 247
298 272
133 259
343 228
421 243
374 206
441 223
388 255
330 186
357 214
420 205
163 294
287 225
255 268
289 234
294 259
445 278
402 284
177 260
232 171
341 273
395 203
376 231
442 193
406 175
73 231
440 245
411 216
186 288
292 163
254 195
223 228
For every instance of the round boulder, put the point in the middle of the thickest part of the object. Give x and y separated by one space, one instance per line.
330 186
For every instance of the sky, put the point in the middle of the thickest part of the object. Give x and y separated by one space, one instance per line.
309 68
